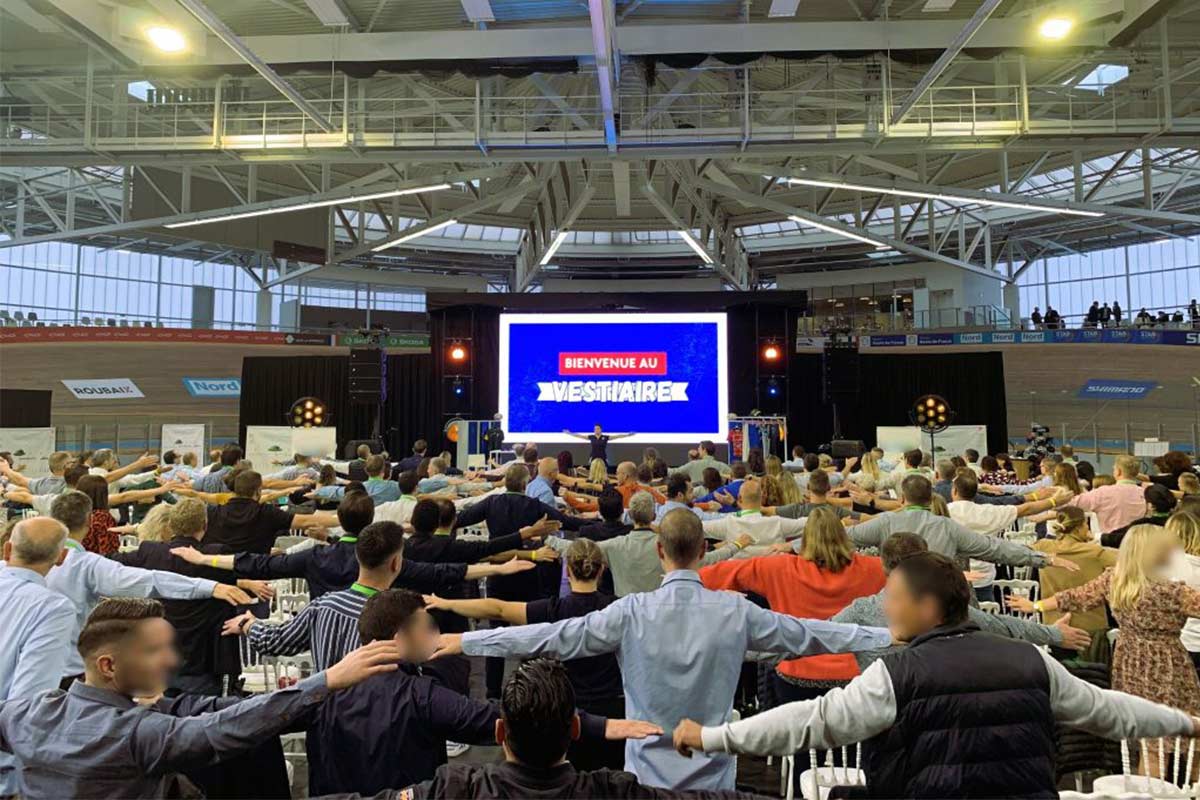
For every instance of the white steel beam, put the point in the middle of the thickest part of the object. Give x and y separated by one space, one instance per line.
943 62
603 29
234 43
534 264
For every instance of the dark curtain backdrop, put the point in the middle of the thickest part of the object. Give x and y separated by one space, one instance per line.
25 408
270 384
973 384
477 328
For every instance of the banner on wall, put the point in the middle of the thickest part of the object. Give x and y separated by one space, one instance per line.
270 448
182 439
103 389
1100 389
1075 336
31 449
213 387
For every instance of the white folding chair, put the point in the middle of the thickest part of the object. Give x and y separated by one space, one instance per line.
1019 588
990 607
816 781
1174 781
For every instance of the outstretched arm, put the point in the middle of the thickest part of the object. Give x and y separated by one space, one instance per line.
488 608
594 634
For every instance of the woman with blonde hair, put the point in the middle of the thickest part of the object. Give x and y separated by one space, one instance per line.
1186 568
789 490
1150 660
1072 539
1066 477
824 578
868 475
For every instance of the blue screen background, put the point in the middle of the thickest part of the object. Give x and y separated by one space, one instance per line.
691 349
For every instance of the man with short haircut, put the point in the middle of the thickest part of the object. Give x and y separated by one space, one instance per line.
629 485
818 497
751 522
96 740
41 502
207 660
971 456
869 610
302 466
355 736
633 558
438 480
414 461
57 463
612 518
377 486
1116 506
541 488
694 470
1067 452
679 495
84 578
328 626
537 724
37 625
681 648
957 713
247 525
214 481
943 534
400 510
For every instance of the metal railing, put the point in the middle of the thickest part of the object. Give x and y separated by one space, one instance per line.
982 317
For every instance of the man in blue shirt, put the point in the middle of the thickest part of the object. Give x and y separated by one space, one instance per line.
380 490
679 493
37 621
214 481
680 649
542 487
97 741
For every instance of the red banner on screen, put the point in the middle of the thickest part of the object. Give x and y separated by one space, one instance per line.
597 364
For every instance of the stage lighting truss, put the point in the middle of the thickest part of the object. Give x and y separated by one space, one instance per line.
309 412
772 352
931 413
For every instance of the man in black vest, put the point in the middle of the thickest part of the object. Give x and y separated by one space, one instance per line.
957 713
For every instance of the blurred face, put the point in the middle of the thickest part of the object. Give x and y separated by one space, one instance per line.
908 616
144 661
419 638
596 429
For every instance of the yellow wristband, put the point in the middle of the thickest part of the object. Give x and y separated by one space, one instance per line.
1053 502
214 561
1038 606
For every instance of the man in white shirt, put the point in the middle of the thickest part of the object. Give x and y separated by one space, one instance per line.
989 520
750 521
971 455
400 511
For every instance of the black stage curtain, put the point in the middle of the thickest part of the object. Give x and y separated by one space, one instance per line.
477 328
270 384
25 408
973 384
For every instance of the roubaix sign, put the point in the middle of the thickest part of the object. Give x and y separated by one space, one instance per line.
104 389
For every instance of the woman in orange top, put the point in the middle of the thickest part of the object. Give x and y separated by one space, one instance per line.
825 578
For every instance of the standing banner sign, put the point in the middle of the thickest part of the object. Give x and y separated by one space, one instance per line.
184 439
270 448
896 439
103 389
31 449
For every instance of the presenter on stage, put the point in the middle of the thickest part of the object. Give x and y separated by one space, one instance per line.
599 441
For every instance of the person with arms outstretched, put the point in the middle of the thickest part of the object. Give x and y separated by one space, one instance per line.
599 441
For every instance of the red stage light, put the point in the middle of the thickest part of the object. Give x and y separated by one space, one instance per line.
458 353
771 353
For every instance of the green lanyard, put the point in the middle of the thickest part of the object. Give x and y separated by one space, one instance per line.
751 513
915 508
347 539
365 591
74 545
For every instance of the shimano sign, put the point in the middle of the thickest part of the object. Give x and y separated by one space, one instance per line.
1116 390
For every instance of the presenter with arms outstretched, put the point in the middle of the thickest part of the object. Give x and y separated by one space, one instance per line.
599 441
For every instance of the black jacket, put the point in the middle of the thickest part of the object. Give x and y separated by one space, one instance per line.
973 719
507 780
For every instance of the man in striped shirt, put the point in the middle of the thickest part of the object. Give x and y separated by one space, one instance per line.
328 626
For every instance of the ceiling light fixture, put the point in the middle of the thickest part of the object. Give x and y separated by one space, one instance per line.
1055 28
837 232
314 204
415 235
169 40
946 198
559 238
783 8
694 243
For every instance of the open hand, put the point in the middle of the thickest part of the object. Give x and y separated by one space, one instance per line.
1018 603
188 554
618 729
687 737
449 644
233 625
263 590
358 665
515 565
232 595
1068 565
1074 638
545 554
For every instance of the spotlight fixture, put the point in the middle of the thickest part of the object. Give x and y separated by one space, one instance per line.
458 352
773 388
931 413
308 412
166 39
771 352
284 208
1055 28
458 388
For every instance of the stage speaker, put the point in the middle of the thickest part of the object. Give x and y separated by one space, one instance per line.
366 375
840 368
846 448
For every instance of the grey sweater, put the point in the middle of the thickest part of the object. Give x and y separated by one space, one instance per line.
869 611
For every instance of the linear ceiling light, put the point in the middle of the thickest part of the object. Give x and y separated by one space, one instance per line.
947 198
559 238
314 204
837 232
695 245
415 235
478 10
783 8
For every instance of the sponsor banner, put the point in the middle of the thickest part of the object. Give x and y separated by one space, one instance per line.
1036 337
936 339
270 448
184 439
30 448
1063 336
390 340
970 338
1181 337
213 387
155 335
103 389
1100 389
810 343
893 340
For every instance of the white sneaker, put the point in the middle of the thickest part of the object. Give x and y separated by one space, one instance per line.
456 749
